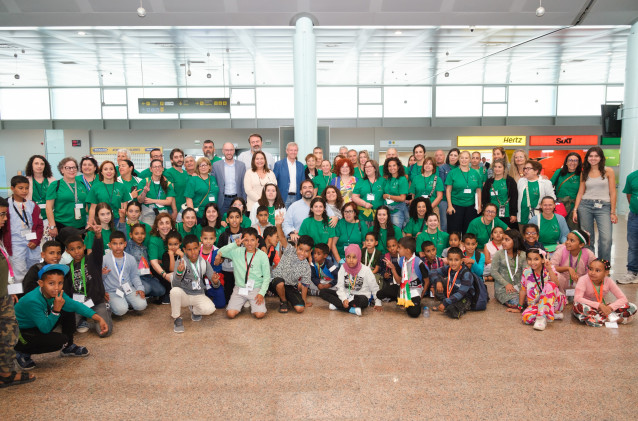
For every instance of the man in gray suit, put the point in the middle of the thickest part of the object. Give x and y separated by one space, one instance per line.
230 177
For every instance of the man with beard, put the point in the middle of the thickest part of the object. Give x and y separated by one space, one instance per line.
256 142
209 151
299 211
177 176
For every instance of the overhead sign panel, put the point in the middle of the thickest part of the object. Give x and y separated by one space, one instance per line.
471 141
563 140
183 105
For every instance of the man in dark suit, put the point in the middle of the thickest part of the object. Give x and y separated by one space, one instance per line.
289 173
229 174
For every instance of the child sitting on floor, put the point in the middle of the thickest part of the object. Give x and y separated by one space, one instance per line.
491 247
530 235
589 301
324 270
455 240
429 259
372 256
453 285
262 220
209 252
472 258
392 256
571 260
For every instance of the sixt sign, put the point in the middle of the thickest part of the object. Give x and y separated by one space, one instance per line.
563 140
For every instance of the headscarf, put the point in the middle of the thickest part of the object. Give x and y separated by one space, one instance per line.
353 249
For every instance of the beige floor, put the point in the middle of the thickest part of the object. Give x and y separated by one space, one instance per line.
327 365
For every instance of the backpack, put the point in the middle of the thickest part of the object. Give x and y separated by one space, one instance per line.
481 296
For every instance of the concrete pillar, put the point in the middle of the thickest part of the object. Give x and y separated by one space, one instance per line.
305 77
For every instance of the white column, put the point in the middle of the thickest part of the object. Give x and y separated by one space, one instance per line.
305 77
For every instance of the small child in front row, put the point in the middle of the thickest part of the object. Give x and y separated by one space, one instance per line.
472 258
409 286
391 256
122 281
51 255
539 288
38 312
208 252
372 256
531 234
492 246
292 272
189 284
104 217
589 299
271 244
430 260
251 272
136 247
324 270
173 251
453 285
262 221
455 240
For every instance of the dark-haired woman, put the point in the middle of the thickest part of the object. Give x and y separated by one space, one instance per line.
317 225
596 201
39 173
451 162
502 190
128 178
395 191
88 172
566 181
107 190
156 194
271 198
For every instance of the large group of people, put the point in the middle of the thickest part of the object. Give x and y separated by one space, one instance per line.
215 232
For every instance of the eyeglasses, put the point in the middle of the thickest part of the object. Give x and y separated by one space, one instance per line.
203 165
572 160
489 211
3 214
71 168
529 234
87 157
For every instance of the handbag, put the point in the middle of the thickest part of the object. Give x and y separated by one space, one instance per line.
560 210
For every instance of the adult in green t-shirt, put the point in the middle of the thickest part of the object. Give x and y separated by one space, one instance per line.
440 239
156 155
349 230
395 191
428 185
157 194
325 176
566 182
107 190
415 170
128 179
317 225
475 164
503 192
552 228
482 226
178 177
66 199
631 190
416 223
384 228
87 172
189 224
202 188
162 225
368 193
463 192
39 173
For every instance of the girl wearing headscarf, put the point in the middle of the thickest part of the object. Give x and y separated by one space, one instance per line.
355 285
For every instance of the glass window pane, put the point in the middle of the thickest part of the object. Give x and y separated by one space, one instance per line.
76 104
337 102
531 101
203 92
615 93
114 113
580 100
404 101
459 101
494 110
242 111
370 111
24 104
369 95
275 103
242 96
114 96
135 93
494 94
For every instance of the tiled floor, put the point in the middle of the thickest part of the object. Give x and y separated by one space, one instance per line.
327 365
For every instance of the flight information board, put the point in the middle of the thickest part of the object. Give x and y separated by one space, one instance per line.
183 105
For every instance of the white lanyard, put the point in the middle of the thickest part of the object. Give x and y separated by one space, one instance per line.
75 191
367 261
195 271
120 273
507 261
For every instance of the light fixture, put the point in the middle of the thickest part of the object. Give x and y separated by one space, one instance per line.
541 10
447 74
141 11
81 33
397 32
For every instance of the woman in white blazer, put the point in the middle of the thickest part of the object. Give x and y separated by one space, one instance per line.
531 190
256 178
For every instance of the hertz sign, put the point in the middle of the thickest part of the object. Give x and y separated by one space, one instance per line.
491 140
563 140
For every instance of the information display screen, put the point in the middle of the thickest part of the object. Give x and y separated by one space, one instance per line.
183 105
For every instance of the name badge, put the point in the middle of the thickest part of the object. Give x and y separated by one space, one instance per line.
30 236
494 193
89 303
425 196
211 198
570 292
370 197
611 325
332 268
389 201
243 292
119 293
15 289
467 191
195 285
80 298
127 288
79 206
350 298
250 285
207 285
501 211
145 271
599 206
78 213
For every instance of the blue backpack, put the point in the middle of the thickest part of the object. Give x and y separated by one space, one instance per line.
481 296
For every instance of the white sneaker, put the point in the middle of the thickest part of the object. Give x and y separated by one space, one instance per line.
332 307
540 323
629 278
559 316
357 311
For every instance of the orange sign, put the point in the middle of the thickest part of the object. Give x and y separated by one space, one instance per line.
563 140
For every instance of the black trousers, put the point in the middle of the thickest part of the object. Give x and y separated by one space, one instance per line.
331 296
32 341
511 225
229 284
461 218
392 292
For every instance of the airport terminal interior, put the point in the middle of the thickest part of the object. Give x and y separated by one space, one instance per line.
549 79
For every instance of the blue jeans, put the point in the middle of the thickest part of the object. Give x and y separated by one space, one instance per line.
632 240
290 199
398 218
152 286
226 205
119 305
587 214
443 215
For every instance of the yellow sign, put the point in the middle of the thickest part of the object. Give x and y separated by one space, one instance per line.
113 150
472 141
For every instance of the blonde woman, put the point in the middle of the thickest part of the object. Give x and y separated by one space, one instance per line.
518 164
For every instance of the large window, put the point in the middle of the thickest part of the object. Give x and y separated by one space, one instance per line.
76 104
459 101
580 100
407 101
337 102
275 103
532 101
24 104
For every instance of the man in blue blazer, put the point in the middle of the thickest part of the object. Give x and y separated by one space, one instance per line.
289 173
229 174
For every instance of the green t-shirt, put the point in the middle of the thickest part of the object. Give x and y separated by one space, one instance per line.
358 173
157 192
80 179
498 195
464 185
245 221
484 232
39 196
414 171
90 237
549 232
64 207
196 230
631 187
113 194
146 173
179 180
383 237
349 233
322 181
482 174
202 192
424 186
440 239
128 185
569 184
395 186
413 227
363 189
319 231
157 248
534 197
215 159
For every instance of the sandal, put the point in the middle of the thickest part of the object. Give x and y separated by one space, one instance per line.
283 306
10 380
74 350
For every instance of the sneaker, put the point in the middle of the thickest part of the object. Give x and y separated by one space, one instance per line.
540 323
355 310
24 361
559 316
83 326
195 317
629 278
166 299
332 307
178 325
74 350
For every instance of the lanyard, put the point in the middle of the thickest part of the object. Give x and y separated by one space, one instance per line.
120 272
509 269
41 190
467 179
488 229
599 292
6 257
540 286
351 284
448 288
194 269
366 261
107 191
207 257
577 260
351 231
435 238
82 274
496 195
74 190
23 216
248 264
158 190
87 183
